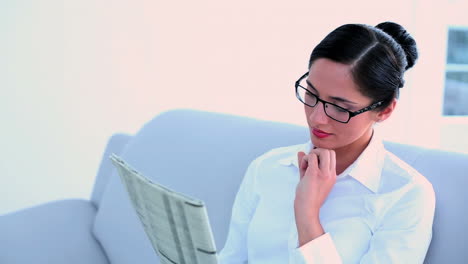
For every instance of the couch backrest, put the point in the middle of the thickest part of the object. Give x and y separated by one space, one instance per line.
205 155
115 145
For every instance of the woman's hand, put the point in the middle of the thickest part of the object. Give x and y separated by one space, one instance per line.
317 172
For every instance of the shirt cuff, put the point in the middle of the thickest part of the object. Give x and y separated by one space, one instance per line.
320 250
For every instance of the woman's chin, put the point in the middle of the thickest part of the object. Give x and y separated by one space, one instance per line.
318 143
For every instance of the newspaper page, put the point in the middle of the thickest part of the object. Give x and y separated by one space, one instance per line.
177 225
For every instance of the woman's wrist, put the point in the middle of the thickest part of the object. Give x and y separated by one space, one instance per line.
308 228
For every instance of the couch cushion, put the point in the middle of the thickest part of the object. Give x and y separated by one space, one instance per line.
204 155
53 233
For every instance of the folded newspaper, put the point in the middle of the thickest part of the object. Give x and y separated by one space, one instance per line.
177 225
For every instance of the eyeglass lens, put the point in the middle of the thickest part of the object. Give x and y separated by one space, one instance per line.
333 111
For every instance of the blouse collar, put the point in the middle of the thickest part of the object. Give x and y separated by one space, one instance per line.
366 169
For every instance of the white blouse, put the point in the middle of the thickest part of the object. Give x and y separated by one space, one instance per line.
380 210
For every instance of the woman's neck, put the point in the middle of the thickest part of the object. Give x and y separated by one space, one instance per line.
345 156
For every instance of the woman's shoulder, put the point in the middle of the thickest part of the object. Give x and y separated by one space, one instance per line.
397 173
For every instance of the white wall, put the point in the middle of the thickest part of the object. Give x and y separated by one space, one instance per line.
74 72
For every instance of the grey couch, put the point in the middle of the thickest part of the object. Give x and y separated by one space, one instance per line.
204 155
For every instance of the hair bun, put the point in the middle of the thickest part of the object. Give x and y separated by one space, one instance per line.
402 37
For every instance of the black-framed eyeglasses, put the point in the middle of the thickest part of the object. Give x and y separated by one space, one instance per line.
332 110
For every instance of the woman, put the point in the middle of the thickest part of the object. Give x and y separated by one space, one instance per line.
341 197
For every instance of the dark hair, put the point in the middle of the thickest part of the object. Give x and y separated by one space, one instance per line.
378 56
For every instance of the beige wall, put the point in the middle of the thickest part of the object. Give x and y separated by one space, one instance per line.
78 71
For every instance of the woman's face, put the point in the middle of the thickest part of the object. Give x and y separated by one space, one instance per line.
333 82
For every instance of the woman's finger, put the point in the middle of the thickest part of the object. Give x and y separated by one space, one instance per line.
323 159
332 161
302 163
313 161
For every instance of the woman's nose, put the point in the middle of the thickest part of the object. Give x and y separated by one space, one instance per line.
317 114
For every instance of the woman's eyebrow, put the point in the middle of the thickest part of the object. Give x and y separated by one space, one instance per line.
339 99
311 86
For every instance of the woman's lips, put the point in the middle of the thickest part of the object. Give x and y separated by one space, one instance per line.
320 134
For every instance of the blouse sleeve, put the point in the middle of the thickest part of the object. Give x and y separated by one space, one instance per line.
320 250
235 248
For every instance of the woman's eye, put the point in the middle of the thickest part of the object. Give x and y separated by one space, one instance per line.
309 94
342 109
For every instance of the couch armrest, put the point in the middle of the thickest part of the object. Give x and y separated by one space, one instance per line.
51 233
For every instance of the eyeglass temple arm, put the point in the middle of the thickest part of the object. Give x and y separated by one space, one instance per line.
302 77
365 109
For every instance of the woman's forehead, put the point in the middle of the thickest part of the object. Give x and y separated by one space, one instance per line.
333 79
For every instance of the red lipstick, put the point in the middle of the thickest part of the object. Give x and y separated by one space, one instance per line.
319 133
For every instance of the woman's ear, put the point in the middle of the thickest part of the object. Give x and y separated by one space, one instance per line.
387 112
